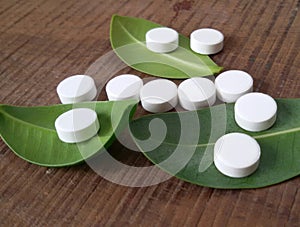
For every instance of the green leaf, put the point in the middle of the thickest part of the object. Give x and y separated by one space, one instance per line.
176 144
127 36
30 131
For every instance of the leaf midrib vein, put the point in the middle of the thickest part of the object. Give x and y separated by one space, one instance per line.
256 137
26 122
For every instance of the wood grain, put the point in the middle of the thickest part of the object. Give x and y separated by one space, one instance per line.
42 42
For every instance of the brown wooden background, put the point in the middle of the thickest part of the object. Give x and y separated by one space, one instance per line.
42 42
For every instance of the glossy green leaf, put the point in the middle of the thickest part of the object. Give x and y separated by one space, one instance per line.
127 36
280 145
30 131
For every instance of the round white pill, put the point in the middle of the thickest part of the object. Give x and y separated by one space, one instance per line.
159 95
162 40
206 41
233 84
255 111
123 87
78 88
236 155
77 125
196 92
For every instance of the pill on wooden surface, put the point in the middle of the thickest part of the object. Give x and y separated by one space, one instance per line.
159 95
206 41
126 86
77 88
196 92
255 111
233 84
236 155
162 40
77 125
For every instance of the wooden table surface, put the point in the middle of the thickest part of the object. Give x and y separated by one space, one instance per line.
44 41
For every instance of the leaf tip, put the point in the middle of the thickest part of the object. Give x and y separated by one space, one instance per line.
219 69
114 16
